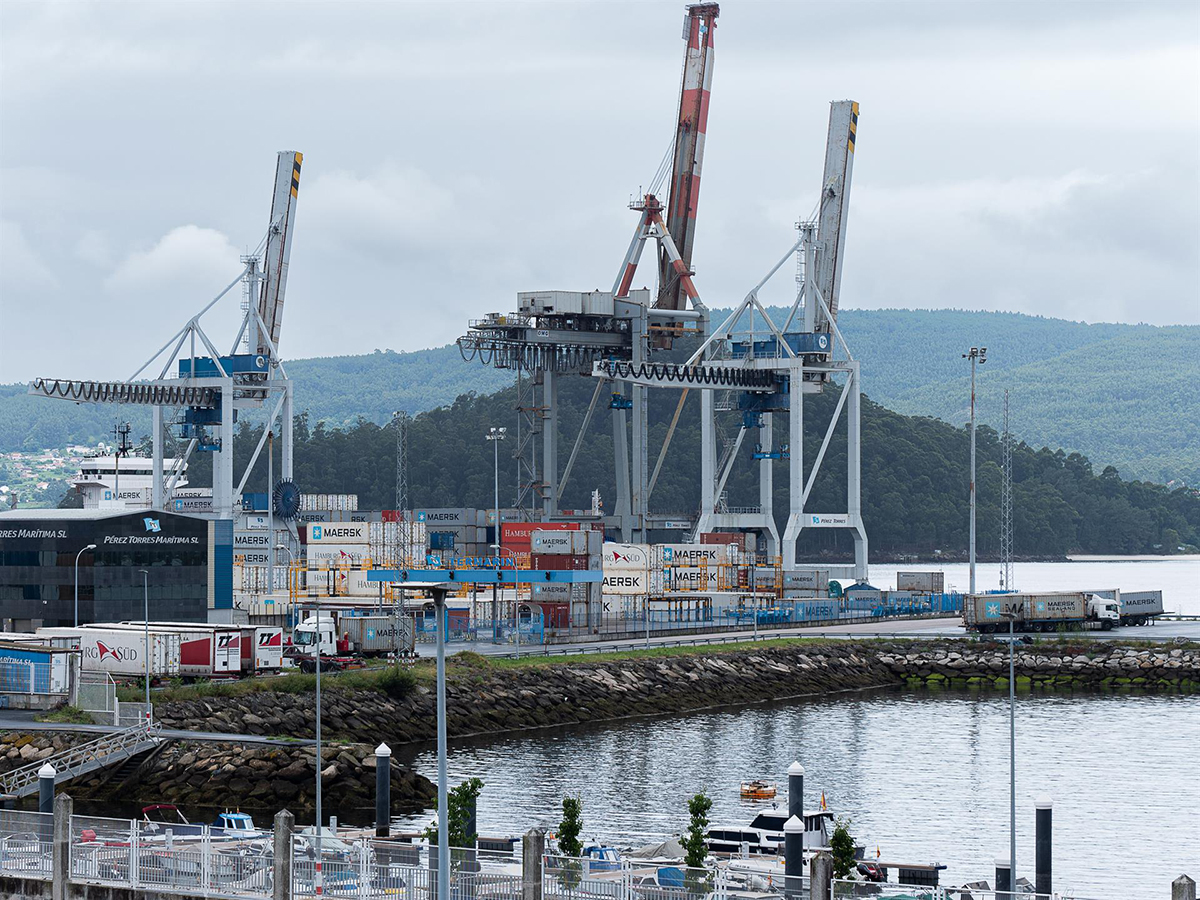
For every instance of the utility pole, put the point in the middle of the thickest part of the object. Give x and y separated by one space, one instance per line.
496 435
975 355
401 419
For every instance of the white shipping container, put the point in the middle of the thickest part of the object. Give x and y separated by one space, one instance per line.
694 554
121 651
566 543
924 582
626 556
626 581
692 578
339 533
337 554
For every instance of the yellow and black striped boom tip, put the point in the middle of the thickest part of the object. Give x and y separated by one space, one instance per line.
853 123
297 159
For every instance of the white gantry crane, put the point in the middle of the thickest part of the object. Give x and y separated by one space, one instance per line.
771 369
201 391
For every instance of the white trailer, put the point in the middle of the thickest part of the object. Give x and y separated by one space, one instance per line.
205 651
262 648
1137 607
120 651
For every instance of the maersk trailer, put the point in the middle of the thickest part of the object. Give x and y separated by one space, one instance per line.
989 613
1137 607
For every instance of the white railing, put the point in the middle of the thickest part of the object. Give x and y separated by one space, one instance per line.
844 890
571 878
26 839
81 759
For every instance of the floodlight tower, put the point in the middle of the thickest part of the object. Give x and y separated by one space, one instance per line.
211 390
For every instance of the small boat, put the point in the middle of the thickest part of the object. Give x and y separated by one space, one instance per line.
758 790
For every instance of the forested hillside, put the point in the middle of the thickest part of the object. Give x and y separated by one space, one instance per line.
1119 394
914 477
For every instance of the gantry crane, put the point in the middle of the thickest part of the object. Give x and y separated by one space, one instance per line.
770 371
565 332
203 394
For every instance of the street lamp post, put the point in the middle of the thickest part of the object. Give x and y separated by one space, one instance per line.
146 597
77 555
975 355
496 435
318 878
1012 754
291 564
443 887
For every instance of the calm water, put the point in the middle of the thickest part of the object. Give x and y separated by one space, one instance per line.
924 776
1178 577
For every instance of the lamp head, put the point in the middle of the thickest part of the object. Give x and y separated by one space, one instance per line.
90 547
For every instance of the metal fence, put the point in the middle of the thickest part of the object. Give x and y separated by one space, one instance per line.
187 857
30 677
845 890
571 878
97 695
26 840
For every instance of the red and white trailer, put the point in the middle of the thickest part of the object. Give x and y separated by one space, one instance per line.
262 648
205 651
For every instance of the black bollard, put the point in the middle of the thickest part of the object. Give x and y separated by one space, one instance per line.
1003 880
793 857
1043 846
46 775
796 790
383 790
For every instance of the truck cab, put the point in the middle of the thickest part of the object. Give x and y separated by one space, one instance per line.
1104 610
313 636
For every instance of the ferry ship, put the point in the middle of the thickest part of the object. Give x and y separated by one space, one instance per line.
97 481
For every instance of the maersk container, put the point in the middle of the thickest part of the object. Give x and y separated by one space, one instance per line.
559 542
923 582
1037 612
373 635
1137 607
807 579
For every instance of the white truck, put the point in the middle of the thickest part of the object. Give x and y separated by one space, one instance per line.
1137 607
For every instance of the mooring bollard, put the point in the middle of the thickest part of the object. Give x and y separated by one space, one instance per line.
281 861
1043 846
1183 888
60 853
796 790
383 790
533 849
46 776
793 856
1003 879
820 877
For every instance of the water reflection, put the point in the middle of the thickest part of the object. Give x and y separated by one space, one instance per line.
924 776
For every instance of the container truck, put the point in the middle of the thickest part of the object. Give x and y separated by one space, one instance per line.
989 613
344 639
120 651
1137 607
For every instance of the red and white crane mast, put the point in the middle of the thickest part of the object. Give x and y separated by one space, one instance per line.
699 30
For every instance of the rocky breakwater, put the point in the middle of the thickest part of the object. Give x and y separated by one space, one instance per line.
261 777
489 698
1052 665
231 775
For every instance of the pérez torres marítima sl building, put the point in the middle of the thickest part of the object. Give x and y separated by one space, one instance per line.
189 560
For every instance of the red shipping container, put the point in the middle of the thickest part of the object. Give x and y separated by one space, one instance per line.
518 535
725 537
558 562
555 615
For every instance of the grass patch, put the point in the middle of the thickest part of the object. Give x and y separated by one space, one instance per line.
396 683
68 715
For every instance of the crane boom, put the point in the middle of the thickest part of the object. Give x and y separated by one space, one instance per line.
835 203
699 29
279 246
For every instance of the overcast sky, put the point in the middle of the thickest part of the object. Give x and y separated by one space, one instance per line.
1036 157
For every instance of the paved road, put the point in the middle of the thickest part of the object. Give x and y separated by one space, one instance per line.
950 626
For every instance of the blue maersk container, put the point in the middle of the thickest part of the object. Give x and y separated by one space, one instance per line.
813 343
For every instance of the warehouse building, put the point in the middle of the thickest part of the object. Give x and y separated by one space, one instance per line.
189 561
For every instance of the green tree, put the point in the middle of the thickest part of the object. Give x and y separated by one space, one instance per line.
695 844
570 826
842 845
461 801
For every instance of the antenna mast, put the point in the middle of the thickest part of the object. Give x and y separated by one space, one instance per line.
1006 506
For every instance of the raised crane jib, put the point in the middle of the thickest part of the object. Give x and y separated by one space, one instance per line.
835 203
279 245
699 30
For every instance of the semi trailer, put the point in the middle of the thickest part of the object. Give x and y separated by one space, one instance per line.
990 613
1137 607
